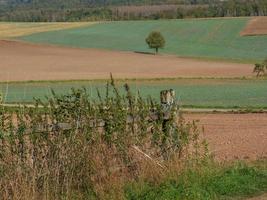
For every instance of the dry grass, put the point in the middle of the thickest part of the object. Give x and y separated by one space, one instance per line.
37 162
9 30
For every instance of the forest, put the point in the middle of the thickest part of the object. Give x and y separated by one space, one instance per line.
111 10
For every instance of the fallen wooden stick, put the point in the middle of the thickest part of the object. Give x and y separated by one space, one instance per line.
147 156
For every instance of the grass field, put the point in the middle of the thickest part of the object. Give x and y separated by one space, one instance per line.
8 30
207 38
236 182
190 92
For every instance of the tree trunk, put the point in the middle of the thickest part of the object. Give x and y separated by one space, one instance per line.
157 50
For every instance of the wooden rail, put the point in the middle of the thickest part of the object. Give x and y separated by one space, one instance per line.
167 101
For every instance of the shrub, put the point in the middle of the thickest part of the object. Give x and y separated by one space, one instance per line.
155 40
259 69
71 147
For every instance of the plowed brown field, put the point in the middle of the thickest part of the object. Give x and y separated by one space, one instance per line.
234 136
256 26
22 61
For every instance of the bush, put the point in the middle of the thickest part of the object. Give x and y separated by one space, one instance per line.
260 68
155 40
71 147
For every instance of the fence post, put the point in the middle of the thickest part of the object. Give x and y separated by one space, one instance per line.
167 100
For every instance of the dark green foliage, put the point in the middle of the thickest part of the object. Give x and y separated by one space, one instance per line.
81 10
155 40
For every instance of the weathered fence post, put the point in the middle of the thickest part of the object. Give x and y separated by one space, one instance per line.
167 97
167 100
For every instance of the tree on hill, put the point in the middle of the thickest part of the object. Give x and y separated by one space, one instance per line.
155 41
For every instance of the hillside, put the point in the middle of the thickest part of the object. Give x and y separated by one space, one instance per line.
211 38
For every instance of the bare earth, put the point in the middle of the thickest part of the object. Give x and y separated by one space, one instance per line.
234 136
23 61
262 197
256 26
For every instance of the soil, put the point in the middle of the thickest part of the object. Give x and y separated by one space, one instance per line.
256 26
234 136
23 61
262 197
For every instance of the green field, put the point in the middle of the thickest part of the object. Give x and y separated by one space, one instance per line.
226 93
205 38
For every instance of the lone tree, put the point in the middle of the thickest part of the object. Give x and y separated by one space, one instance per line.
155 40
259 69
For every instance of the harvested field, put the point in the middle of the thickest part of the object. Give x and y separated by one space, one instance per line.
8 30
23 61
234 136
256 26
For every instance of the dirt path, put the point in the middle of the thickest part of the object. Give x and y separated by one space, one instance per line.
23 61
234 136
262 197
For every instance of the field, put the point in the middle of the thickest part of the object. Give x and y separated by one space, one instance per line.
208 63
211 93
22 62
8 30
209 38
234 136
256 26
126 158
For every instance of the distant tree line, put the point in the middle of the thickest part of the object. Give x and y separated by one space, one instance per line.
91 10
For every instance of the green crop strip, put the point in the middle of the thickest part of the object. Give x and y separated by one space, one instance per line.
201 93
206 39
